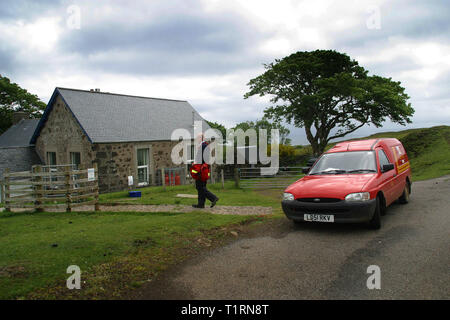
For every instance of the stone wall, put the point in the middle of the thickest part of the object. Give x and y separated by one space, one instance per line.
117 161
62 134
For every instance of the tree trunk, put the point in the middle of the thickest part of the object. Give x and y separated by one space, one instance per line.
318 145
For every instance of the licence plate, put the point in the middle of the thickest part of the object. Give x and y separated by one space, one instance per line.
319 217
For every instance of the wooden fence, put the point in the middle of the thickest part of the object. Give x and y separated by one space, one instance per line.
43 187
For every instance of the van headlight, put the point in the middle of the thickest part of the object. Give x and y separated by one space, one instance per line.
359 196
288 196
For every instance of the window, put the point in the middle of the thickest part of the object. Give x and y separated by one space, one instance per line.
51 158
75 159
382 158
345 162
51 161
143 166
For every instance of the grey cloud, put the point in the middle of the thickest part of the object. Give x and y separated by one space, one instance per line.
409 19
26 9
176 43
7 62
387 69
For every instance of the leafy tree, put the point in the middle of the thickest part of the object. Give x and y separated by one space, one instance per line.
14 98
324 89
218 126
264 123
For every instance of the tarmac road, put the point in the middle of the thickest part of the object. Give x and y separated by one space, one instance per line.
327 261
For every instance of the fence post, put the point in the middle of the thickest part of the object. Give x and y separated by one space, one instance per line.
222 178
236 177
2 194
68 190
97 206
184 173
163 179
7 191
36 170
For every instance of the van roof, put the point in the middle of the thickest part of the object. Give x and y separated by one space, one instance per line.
363 145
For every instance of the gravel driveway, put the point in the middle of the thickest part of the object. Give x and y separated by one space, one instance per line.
235 210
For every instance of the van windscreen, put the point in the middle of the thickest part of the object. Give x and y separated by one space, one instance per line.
345 162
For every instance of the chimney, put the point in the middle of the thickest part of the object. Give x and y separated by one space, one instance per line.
19 115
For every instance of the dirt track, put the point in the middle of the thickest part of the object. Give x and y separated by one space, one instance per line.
279 260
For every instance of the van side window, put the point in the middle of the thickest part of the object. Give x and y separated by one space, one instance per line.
382 157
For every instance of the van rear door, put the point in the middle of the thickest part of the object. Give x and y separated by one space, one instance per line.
401 166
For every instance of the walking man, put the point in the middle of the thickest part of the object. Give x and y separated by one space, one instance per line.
203 192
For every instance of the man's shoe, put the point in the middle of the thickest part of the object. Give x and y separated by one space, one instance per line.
197 206
214 202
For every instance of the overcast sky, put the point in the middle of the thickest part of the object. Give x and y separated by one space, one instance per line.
207 51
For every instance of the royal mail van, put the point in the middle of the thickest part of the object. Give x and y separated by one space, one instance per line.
355 181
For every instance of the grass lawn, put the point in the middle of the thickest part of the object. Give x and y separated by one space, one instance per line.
115 251
230 196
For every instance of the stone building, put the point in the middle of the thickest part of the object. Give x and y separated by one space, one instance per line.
125 135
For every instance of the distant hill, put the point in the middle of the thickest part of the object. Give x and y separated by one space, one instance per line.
428 149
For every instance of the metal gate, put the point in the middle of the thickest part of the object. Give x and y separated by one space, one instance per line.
253 179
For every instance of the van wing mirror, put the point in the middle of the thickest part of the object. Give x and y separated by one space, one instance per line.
305 170
387 167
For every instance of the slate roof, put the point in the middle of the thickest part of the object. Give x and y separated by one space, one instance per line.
108 117
19 135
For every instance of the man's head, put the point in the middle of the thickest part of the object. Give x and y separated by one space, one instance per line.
200 137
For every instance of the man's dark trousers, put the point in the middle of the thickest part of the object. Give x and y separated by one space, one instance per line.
203 193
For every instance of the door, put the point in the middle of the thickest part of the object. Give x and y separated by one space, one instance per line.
143 166
402 165
387 178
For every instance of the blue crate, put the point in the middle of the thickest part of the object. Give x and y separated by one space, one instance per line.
135 194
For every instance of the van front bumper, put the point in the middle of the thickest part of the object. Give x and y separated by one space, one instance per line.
343 211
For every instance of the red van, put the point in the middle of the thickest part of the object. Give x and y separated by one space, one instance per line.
355 181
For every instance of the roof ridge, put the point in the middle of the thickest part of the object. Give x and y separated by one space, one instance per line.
119 94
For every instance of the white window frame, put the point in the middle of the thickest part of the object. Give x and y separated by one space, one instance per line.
141 184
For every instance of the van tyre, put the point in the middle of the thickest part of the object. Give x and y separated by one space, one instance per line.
404 198
375 222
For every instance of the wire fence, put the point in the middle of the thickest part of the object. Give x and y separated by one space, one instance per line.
252 178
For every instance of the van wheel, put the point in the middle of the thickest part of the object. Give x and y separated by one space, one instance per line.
404 198
375 222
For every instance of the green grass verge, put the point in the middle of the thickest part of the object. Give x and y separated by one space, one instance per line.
118 250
